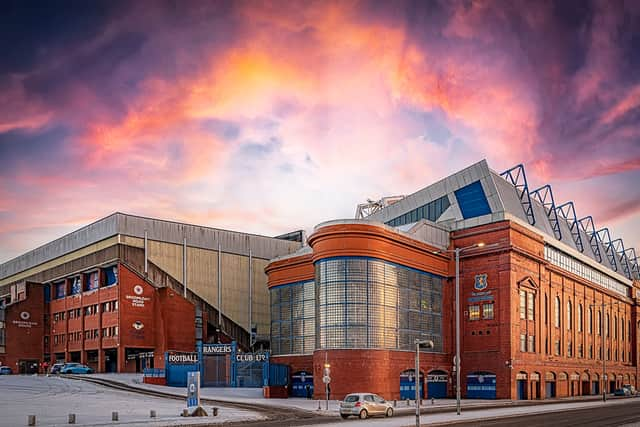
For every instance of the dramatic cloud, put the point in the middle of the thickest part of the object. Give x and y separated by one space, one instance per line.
266 117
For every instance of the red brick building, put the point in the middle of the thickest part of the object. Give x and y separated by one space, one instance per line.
112 294
539 291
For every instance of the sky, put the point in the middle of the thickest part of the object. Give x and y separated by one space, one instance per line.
271 116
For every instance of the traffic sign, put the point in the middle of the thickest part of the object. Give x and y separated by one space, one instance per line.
326 379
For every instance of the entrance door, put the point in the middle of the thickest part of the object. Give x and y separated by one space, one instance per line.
521 387
586 389
437 384
408 385
301 384
595 387
550 389
216 372
481 385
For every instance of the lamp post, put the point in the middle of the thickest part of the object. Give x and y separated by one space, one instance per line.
457 251
427 344
602 346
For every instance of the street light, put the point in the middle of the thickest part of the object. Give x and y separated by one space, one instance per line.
602 347
427 344
457 358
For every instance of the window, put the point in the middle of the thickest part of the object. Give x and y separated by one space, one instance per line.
580 352
546 309
530 306
622 330
569 349
599 323
608 317
523 343
557 312
76 285
569 315
474 312
557 348
487 311
580 318
590 351
615 327
531 343
523 304
590 321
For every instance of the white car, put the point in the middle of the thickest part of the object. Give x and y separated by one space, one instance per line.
364 405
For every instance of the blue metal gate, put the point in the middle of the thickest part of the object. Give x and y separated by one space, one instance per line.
299 383
248 370
177 364
481 385
408 385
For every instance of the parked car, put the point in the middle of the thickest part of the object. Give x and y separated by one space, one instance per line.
632 389
75 368
363 405
55 368
622 392
5 370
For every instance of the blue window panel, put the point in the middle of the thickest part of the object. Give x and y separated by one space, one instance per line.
60 290
47 293
111 275
472 201
76 286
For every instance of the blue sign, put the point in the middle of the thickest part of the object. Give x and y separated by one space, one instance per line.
481 282
193 389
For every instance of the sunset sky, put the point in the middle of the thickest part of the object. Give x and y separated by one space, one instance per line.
269 116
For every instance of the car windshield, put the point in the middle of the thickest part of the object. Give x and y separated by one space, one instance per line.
73 364
351 398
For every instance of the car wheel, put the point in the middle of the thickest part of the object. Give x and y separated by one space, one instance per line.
363 414
344 416
389 412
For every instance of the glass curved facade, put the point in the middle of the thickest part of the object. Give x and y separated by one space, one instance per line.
370 303
293 318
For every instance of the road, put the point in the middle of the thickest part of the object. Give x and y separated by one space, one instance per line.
603 415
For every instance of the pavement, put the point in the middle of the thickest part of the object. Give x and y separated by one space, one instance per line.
52 399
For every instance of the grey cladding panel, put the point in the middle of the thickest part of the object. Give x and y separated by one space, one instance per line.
73 241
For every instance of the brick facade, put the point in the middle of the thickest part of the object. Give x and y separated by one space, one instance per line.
556 361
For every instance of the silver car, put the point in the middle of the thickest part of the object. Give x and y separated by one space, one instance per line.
363 405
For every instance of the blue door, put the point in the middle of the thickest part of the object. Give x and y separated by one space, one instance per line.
437 384
481 385
522 389
300 381
408 385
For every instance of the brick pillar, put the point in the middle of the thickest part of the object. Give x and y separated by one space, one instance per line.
121 359
100 360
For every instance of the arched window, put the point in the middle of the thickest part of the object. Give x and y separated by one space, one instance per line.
590 321
599 322
579 317
569 315
615 327
607 324
557 317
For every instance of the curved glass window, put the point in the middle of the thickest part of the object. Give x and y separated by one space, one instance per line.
293 318
370 303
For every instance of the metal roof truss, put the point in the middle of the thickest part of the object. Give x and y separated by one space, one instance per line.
605 238
518 179
568 212
618 246
590 229
545 196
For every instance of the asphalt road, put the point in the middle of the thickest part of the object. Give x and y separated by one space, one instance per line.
627 414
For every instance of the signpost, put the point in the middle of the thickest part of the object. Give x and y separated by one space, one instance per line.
193 390
326 379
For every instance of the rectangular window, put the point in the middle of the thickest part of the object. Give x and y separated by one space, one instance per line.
569 349
487 311
590 352
474 312
530 306
523 304
523 343
580 353
557 348
531 343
